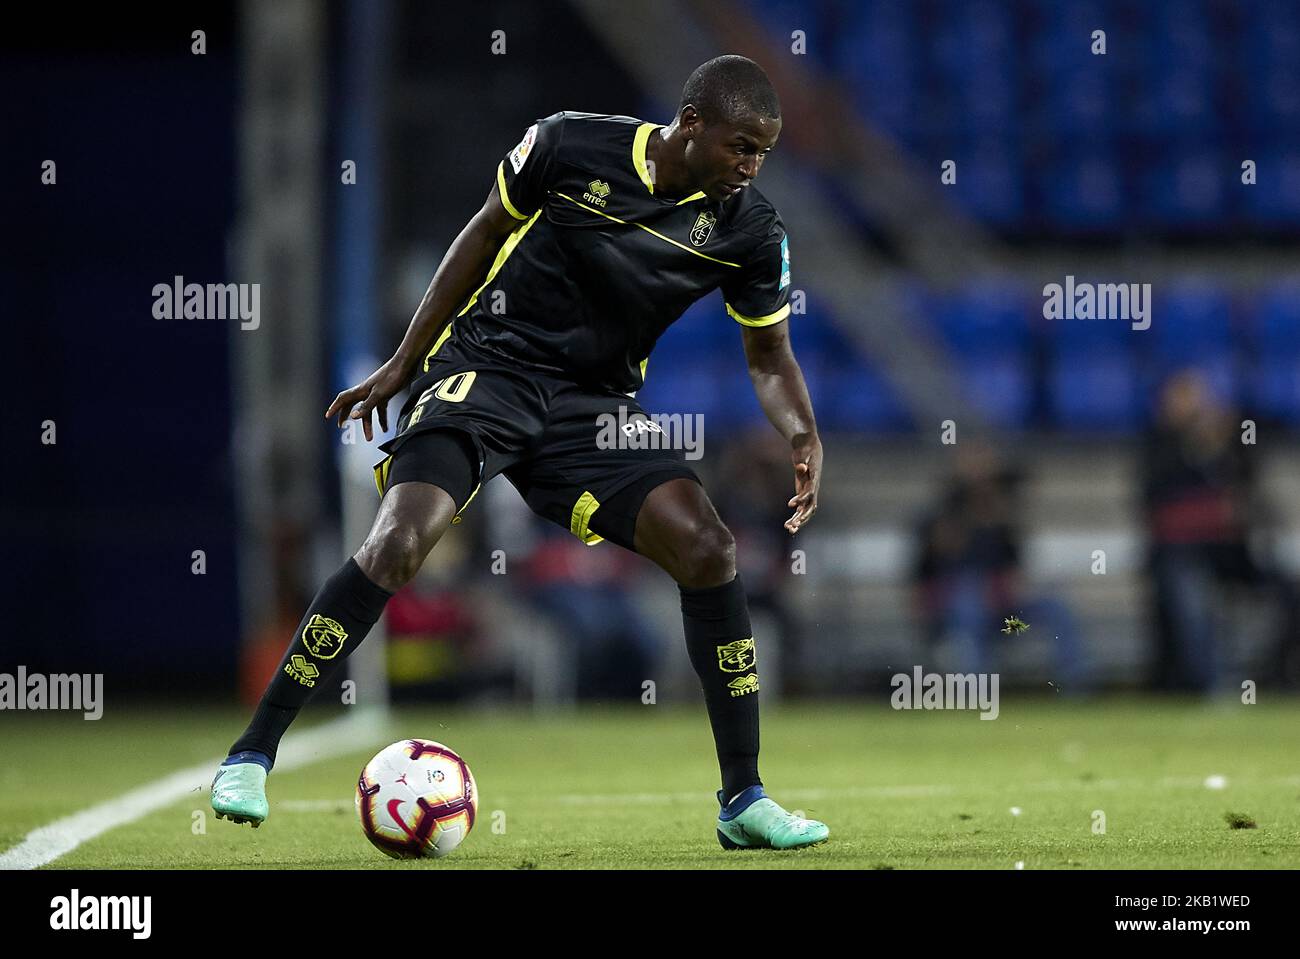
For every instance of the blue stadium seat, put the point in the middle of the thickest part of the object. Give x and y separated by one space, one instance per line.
853 397
874 49
1192 326
988 317
1001 387
1273 203
990 182
1274 323
1275 319
1148 136
1081 191
1268 50
1185 187
1095 392
1275 387
986 327
1191 322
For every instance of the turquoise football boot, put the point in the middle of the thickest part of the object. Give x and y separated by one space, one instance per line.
754 821
239 793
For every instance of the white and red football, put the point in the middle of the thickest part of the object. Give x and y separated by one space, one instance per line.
416 798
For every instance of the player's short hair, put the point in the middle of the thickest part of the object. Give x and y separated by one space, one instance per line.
729 88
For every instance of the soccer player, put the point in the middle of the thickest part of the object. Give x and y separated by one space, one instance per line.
598 233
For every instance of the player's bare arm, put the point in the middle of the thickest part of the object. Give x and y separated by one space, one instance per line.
462 269
779 385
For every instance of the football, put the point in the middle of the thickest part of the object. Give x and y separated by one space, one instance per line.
416 798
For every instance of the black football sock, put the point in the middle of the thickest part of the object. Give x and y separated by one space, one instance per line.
721 646
336 622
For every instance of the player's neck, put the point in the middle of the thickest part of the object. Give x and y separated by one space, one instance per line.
665 152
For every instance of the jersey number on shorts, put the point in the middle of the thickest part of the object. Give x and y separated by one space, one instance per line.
452 388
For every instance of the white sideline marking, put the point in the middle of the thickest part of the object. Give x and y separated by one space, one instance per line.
47 843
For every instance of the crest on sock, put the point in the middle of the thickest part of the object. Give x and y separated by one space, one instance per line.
323 637
737 657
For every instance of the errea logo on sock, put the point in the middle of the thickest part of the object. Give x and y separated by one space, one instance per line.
743 684
76 912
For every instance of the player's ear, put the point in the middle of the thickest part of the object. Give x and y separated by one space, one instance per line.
688 120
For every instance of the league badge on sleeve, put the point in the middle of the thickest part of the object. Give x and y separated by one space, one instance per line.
520 153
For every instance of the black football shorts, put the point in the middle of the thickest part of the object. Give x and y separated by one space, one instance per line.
566 448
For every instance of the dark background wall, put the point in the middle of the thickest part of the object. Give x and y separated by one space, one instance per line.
98 529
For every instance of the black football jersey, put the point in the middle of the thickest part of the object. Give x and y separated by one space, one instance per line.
600 265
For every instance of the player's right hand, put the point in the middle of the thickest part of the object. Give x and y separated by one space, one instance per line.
372 394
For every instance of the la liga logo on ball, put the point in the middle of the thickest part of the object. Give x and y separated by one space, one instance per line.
416 798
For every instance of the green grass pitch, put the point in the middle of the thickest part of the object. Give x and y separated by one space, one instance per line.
633 787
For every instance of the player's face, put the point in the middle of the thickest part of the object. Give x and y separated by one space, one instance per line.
724 157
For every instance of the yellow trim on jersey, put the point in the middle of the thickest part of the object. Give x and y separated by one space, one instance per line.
666 239
381 481
503 254
381 474
638 153
639 143
505 194
455 520
437 344
768 320
580 521
643 366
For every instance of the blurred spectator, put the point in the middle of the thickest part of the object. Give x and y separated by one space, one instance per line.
438 645
589 592
968 574
1201 505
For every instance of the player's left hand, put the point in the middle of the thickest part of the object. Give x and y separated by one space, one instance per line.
807 459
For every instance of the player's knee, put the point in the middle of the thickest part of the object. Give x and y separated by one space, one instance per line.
708 559
392 557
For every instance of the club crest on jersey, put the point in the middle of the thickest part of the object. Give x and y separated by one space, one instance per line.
702 228
323 637
597 190
736 657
